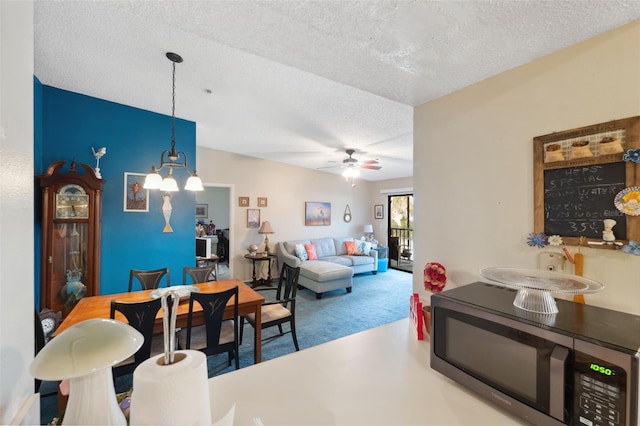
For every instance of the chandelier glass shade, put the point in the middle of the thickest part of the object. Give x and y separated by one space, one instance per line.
170 158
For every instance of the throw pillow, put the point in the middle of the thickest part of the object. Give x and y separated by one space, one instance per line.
364 247
301 252
351 248
311 251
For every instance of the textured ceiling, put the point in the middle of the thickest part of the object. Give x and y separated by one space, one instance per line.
301 81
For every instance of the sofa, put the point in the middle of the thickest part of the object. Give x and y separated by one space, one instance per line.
334 267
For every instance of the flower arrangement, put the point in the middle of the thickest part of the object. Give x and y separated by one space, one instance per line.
435 277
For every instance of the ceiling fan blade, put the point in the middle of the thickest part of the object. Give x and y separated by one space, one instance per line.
370 167
370 162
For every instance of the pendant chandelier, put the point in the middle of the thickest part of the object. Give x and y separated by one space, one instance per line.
171 158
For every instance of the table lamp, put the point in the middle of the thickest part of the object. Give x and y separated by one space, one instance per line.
266 229
368 232
84 354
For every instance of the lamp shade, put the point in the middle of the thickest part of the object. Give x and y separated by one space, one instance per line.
368 229
265 228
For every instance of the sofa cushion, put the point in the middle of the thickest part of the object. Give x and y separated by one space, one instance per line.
321 271
340 260
312 254
324 247
301 252
290 246
351 248
359 260
339 244
364 247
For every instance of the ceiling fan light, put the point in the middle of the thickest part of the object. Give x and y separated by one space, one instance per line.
350 172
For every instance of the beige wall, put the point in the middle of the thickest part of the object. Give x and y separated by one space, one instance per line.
474 187
286 188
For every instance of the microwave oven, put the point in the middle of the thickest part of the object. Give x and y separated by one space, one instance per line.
576 367
206 247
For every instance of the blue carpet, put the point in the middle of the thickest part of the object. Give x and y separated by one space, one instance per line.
375 300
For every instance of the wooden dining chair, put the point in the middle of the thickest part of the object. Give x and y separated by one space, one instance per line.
281 310
149 279
142 317
200 274
216 335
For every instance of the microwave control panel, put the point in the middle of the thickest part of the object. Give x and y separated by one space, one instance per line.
600 392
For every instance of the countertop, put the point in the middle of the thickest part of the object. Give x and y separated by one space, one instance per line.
377 377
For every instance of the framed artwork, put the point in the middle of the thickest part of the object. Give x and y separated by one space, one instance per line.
202 210
317 214
378 211
136 198
262 201
253 218
243 201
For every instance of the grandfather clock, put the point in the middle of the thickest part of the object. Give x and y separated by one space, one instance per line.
71 213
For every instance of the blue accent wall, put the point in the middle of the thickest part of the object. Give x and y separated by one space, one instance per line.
71 125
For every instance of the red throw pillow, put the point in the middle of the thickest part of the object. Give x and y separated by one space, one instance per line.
311 251
351 247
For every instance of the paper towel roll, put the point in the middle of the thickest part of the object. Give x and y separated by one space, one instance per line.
171 394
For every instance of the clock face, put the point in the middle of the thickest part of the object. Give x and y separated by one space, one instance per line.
72 202
48 324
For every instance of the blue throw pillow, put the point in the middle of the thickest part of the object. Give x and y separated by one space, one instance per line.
301 252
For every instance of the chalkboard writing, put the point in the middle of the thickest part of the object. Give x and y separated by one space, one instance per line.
578 199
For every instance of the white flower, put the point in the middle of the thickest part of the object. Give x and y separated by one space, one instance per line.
555 240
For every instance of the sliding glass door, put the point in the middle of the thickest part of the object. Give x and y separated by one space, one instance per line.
401 231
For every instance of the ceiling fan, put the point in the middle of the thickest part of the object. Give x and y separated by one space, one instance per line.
350 166
351 162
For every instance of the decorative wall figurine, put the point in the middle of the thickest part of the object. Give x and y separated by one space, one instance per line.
166 212
607 235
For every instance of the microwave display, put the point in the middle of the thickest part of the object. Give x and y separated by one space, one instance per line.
600 391
510 360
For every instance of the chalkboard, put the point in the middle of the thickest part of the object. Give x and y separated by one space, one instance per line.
573 194
578 199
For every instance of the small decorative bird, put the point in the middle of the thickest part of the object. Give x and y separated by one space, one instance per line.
98 154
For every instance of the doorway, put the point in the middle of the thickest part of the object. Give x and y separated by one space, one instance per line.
400 234
214 209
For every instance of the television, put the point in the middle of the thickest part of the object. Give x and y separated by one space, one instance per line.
204 247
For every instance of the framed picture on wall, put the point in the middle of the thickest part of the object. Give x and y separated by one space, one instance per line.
202 210
253 218
243 201
378 211
317 214
136 198
262 201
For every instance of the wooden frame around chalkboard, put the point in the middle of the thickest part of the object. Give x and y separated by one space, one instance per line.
628 129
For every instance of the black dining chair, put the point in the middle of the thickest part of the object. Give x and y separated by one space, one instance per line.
149 279
142 317
281 310
216 335
199 274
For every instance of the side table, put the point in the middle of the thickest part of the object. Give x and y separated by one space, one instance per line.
257 258
383 258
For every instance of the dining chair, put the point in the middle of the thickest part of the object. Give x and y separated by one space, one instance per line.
142 317
149 279
216 335
281 310
199 274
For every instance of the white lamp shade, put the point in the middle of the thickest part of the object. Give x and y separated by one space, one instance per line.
152 181
194 183
368 229
169 184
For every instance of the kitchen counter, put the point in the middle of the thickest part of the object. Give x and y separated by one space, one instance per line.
377 377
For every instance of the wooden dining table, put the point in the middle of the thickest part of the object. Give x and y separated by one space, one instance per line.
249 302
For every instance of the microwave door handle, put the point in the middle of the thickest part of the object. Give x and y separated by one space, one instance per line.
557 364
